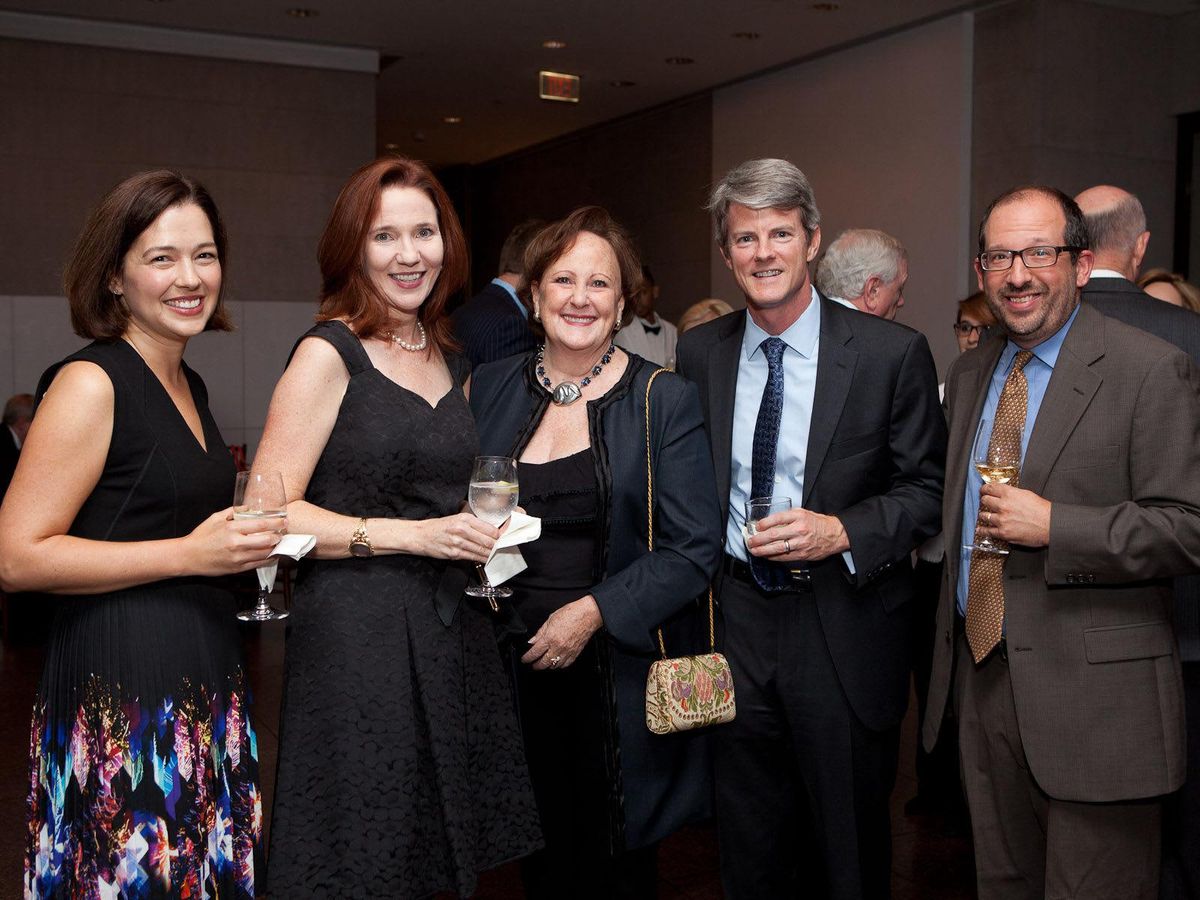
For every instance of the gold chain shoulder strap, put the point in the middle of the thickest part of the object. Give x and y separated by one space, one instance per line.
712 635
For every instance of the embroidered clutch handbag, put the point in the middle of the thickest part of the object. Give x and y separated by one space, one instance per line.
684 692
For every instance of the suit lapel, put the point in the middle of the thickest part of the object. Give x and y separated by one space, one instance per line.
966 387
835 372
1071 388
722 372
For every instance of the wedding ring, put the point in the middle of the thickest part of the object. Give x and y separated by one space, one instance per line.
554 661
787 546
987 518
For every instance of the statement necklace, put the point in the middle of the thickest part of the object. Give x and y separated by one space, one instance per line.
567 392
419 345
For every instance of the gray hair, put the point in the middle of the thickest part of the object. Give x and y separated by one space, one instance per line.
763 184
1117 227
856 255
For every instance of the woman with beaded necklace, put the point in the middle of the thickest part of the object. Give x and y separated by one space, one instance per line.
573 414
400 765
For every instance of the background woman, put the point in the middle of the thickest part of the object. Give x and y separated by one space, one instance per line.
1172 288
144 776
972 322
703 311
573 414
400 765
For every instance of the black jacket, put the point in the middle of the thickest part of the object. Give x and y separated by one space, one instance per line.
661 782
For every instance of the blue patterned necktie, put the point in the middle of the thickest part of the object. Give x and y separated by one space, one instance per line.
770 577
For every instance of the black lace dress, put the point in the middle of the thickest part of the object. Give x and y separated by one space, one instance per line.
400 765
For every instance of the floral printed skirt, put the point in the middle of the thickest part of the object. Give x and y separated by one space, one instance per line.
143 760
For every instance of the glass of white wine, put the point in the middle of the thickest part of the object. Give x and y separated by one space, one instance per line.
492 496
260 495
998 464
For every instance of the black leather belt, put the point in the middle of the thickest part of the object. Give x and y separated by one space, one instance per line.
735 568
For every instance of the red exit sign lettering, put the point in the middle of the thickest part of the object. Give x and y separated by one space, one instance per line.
558 86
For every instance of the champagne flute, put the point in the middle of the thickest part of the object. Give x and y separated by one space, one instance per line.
492 496
260 495
996 464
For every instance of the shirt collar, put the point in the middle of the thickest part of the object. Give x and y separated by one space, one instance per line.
800 336
512 292
1106 273
1047 351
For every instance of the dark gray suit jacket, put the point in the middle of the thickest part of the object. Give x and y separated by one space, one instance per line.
1116 450
490 327
875 459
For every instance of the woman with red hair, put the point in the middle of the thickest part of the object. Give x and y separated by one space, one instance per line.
400 765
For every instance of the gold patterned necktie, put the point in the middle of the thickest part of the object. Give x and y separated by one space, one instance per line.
985 584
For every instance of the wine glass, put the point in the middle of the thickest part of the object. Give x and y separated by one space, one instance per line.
260 495
996 463
760 507
492 496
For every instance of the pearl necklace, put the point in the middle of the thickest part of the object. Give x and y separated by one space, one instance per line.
419 345
567 392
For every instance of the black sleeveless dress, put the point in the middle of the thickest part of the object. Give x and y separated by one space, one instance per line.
144 772
400 763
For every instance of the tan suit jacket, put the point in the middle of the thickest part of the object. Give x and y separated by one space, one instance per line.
1092 655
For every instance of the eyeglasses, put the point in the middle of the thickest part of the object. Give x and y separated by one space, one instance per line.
1032 257
966 329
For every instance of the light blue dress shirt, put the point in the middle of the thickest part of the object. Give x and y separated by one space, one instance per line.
512 292
799 385
1037 375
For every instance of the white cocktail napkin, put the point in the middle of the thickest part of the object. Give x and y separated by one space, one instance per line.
506 559
290 545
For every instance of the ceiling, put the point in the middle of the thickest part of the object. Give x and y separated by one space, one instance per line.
478 61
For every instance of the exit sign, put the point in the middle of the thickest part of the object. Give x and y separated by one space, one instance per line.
558 86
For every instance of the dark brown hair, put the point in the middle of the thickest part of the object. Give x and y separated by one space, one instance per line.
346 289
557 238
114 225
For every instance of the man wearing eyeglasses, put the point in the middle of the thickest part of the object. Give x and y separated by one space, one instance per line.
1060 648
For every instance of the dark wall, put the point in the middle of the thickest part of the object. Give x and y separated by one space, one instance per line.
651 171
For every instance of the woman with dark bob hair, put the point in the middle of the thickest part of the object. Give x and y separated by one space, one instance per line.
400 764
573 414
144 776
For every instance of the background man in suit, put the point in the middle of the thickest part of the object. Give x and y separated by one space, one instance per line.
495 323
838 411
648 334
1117 227
18 414
865 269
1065 678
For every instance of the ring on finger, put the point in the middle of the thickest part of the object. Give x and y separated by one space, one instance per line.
554 661
787 546
987 513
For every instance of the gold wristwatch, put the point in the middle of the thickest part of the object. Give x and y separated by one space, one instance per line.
360 544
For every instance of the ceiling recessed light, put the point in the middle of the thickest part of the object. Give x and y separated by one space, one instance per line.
303 12
620 82
554 45
747 35
679 60
826 7
391 146
452 120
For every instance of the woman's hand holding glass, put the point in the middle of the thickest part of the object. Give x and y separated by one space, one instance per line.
461 536
222 545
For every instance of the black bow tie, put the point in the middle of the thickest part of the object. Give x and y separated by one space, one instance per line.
652 329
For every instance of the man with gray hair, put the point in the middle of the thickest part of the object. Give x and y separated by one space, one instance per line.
866 269
828 422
